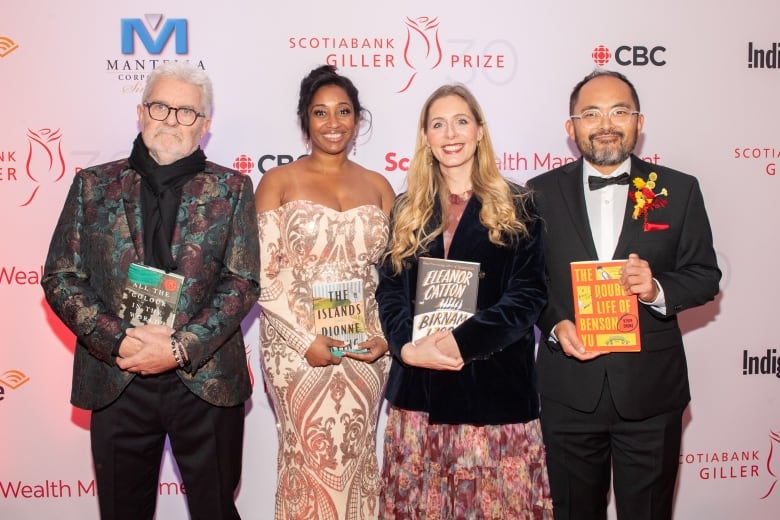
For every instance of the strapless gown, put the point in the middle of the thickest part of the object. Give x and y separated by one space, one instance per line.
326 416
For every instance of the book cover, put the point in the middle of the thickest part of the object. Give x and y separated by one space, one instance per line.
339 313
151 296
607 319
446 295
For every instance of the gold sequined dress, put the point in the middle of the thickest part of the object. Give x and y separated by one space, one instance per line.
326 416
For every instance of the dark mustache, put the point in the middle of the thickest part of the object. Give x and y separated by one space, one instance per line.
607 132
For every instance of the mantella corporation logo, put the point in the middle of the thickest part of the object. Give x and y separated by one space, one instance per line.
630 55
421 49
147 42
7 46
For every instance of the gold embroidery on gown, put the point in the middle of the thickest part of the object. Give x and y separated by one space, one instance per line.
326 416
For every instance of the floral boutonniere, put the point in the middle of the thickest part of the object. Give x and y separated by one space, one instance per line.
645 199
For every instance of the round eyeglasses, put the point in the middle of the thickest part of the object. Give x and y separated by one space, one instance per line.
184 116
594 116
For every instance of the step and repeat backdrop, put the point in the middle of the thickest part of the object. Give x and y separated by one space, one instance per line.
71 76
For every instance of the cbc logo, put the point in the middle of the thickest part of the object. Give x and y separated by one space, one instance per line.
637 55
244 163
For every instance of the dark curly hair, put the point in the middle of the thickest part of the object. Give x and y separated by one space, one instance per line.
320 77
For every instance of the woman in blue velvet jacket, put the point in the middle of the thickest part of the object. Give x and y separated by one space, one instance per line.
463 437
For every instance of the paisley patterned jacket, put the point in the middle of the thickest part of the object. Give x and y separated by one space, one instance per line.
215 245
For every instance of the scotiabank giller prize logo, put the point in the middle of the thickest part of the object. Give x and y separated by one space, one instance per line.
422 49
773 461
767 156
45 162
736 465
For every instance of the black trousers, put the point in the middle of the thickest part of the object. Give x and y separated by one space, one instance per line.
585 449
128 438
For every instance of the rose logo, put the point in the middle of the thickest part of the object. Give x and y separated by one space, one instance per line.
422 49
44 158
772 466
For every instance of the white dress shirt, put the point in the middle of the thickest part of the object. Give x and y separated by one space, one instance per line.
606 209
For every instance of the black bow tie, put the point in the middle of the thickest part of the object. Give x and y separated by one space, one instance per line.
596 183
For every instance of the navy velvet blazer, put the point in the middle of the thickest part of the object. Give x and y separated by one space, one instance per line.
683 261
497 385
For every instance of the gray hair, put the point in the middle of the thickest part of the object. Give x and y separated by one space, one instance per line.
187 73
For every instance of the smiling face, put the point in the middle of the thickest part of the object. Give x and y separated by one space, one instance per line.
332 120
168 141
452 132
605 144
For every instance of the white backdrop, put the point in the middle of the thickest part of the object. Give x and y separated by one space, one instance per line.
707 77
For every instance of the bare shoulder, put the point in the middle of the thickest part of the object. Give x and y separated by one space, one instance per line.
272 186
382 186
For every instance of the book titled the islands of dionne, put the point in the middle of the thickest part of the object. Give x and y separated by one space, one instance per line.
150 296
446 295
607 319
339 313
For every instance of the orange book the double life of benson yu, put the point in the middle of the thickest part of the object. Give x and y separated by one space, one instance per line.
607 318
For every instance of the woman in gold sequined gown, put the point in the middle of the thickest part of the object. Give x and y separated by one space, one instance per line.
323 218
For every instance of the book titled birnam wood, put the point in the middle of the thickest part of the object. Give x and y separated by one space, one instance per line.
339 313
446 295
151 296
607 319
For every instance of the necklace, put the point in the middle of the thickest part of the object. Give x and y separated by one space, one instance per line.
460 198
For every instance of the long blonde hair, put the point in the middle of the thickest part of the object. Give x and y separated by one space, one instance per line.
425 184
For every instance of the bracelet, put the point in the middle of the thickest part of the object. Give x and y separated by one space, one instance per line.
179 354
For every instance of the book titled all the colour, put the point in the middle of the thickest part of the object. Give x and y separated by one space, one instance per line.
607 319
446 295
339 313
151 296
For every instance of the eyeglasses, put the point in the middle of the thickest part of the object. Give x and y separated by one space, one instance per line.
184 116
594 116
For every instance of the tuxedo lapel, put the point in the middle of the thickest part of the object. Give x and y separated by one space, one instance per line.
570 183
630 226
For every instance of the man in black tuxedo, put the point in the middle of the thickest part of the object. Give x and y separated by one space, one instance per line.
618 415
